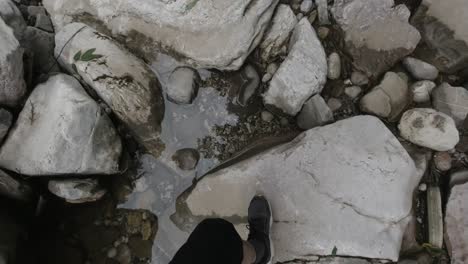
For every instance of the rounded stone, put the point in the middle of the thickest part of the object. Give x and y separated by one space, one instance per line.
323 32
358 78
334 66
186 159
267 116
443 161
266 78
422 187
334 104
112 252
353 91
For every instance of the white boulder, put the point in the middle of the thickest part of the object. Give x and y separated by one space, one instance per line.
302 74
428 128
347 186
61 130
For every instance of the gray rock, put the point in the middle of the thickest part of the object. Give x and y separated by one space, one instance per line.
306 6
377 33
358 78
43 22
14 188
41 44
322 8
77 190
334 104
302 74
186 159
388 99
272 68
323 32
5 122
353 91
204 33
458 178
299 16
422 90
277 35
334 66
127 85
452 101
443 31
443 161
435 222
429 128
456 224
12 85
182 87
420 70
313 16
267 116
61 130
266 77
12 17
315 112
321 169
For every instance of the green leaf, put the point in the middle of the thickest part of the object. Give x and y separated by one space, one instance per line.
77 56
334 251
74 68
88 55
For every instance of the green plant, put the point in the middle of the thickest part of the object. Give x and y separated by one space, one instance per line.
85 57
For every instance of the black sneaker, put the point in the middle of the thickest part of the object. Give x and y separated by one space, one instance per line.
260 221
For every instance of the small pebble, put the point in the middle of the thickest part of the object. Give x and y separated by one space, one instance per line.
323 32
299 16
422 91
422 187
347 82
353 91
284 121
272 68
306 6
334 104
186 159
116 243
334 66
358 78
266 78
443 161
267 116
313 16
112 253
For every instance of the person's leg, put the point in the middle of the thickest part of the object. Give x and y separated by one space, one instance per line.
216 240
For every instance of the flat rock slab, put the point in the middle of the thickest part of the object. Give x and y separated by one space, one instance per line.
456 224
443 29
377 33
61 130
210 34
122 80
347 185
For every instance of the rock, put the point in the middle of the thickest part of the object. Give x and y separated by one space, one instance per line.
182 87
124 255
334 104
302 74
250 85
429 128
12 17
334 66
14 188
41 44
358 78
186 159
124 82
353 91
306 6
422 90
312 16
277 35
299 16
12 85
322 8
5 123
321 169
272 68
112 252
205 34
420 70
77 190
315 112
377 33
43 22
61 130
435 224
443 161
284 121
441 27
458 178
422 187
342 260
267 116
323 32
388 99
266 77
452 101
456 224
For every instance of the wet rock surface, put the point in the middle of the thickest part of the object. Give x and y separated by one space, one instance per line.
302 73
123 81
325 188
184 27
377 33
61 130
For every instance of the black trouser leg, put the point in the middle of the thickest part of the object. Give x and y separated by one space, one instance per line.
214 241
